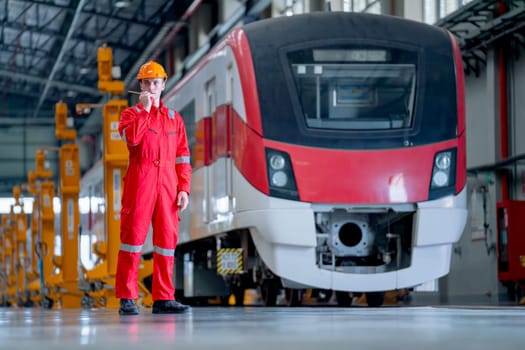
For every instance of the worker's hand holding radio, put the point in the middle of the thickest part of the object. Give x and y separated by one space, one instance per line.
146 99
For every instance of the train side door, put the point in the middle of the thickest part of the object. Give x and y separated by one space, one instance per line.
227 127
218 175
209 187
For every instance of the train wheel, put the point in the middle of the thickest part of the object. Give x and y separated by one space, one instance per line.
344 299
225 300
47 303
294 297
238 292
324 295
269 292
87 302
375 299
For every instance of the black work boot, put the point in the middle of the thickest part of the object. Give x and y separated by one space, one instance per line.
128 307
169 307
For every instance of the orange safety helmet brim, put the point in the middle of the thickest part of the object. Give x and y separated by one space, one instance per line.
151 70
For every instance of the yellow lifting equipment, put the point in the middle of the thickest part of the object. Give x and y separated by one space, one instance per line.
6 264
21 255
42 230
60 272
34 285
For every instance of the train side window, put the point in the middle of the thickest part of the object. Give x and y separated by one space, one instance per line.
188 115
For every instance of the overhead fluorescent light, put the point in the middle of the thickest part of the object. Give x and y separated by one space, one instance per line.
121 4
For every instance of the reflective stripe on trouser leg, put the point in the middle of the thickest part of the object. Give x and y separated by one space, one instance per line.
133 235
137 207
126 284
162 284
165 225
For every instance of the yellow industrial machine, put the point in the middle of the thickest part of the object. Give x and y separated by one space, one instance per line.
5 261
21 255
43 220
105 73
101 279
10 255
58 282
3 286
64 284
58 274
33 273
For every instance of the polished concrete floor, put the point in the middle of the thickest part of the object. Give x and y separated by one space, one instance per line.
276 328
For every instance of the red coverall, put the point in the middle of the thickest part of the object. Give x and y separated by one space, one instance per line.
159 168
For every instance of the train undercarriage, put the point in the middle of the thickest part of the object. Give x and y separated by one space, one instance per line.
228 264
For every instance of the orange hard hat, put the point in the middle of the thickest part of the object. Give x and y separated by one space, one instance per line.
151 70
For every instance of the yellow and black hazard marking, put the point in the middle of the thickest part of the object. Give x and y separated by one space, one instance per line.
229 261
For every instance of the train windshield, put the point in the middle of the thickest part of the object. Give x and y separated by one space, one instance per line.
353 89
355 93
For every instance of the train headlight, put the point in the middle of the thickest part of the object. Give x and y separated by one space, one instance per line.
443 160
443 180
440 178
280 175
277 162
279 179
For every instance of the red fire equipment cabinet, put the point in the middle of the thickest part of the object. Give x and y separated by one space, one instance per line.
511 242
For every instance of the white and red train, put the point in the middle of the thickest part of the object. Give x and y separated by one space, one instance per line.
330 148
328 152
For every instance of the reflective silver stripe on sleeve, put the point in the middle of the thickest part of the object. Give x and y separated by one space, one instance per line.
124 135
130 248
137 109
164 251
182 160
171 113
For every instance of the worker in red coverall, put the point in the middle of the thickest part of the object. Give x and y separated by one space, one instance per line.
156 189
